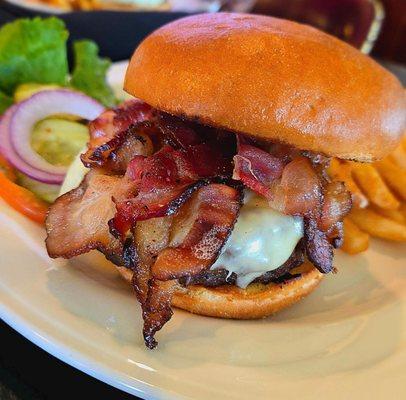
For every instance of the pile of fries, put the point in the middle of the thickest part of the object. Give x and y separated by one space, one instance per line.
379 199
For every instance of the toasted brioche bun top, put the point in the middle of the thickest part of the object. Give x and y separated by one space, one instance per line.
273 79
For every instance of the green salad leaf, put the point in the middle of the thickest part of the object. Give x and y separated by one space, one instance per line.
33 50
89 72
5 102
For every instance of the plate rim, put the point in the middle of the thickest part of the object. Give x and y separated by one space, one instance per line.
71 357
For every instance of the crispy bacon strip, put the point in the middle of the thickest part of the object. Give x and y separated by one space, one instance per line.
291 185
199 232
299 191
110 124
196 233
318 248
256 168
165 181
117 154
336 205
150 237
177 133
157 310
336 234
154 296
78 221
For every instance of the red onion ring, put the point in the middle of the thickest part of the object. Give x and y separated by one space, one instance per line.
19 120
12 157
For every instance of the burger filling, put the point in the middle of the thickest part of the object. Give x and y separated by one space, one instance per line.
180 203
262 240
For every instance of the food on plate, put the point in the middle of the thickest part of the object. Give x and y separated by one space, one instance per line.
380 188
191 6
18 197
398 157
147 5
45 109
342 171
378 225
394 175
34 51
355 240
374 187
26 90
209 191
396 215
22 119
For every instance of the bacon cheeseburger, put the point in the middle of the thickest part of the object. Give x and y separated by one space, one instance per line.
210 193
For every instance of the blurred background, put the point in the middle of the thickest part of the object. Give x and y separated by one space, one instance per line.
377 26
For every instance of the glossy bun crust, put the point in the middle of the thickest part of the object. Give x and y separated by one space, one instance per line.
256 301
274 79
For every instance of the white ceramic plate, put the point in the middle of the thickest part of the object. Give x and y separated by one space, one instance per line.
345 341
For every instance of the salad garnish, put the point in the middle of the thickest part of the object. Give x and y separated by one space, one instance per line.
45 108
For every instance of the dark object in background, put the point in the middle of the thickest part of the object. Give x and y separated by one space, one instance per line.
5 16
391 44
29 373
354 21
117 33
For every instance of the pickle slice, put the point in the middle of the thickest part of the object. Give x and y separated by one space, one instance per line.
58 141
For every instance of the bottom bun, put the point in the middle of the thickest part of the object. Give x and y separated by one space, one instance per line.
256 301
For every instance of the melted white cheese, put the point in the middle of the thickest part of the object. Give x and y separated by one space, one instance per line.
74 176
262 240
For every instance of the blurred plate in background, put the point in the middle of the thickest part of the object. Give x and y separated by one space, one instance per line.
118 32
61 6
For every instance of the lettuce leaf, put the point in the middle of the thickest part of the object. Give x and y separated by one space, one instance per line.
89 72
33 50
5 102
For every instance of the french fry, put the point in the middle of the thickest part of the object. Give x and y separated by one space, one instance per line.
403 143
87 5
341 171
402 209
373 186
376 225
398 156
355 240
394 176
394 215
64 4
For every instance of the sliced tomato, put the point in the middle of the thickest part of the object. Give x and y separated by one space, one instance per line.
22 199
